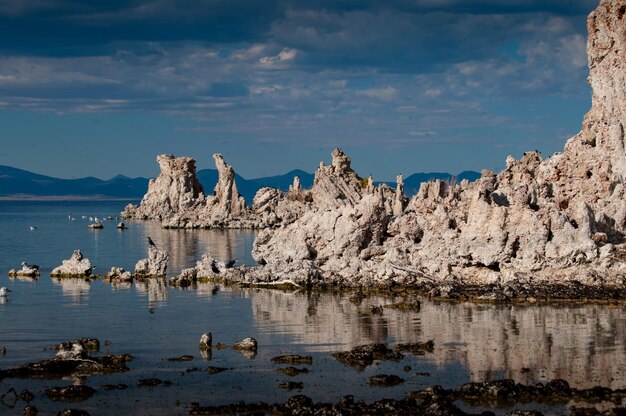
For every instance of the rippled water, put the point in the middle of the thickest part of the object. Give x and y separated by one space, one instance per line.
583 344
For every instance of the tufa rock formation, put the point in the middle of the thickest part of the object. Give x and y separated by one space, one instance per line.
175 190
153 266
177 199
539 223
561 220
75 266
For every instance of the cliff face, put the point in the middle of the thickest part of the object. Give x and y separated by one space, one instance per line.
549 221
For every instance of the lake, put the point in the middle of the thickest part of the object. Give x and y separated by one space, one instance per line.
581 343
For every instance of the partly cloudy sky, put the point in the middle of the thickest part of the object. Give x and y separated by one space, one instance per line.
97 88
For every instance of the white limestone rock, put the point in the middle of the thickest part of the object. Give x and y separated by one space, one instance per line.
153 266
175 190
537 222
75 266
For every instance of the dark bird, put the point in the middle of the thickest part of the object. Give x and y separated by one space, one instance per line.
227 264
214 268
150 242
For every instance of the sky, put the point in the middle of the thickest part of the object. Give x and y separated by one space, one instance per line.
101 87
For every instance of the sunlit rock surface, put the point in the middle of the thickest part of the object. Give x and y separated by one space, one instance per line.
75 266
540 221
154 265
175 190
177 198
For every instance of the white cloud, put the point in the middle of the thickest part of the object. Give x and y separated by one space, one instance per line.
384 94
283 56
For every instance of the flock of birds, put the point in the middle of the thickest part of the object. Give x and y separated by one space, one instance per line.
92 220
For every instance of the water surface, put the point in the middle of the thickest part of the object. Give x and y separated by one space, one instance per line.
583 344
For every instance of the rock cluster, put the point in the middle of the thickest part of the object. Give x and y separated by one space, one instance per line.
153 266
75 266
540 221
177 198
175 190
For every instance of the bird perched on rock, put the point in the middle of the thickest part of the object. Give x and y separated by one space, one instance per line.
4 291
151 243
26 266
214 268
227 264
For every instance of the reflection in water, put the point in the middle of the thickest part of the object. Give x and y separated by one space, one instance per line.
583 344
76 288
155 289
205 290
185 247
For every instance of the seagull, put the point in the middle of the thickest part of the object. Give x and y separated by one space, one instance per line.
150 242
26 266
33 227
4 291
227 264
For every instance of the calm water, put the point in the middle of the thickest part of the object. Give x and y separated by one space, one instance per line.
583 344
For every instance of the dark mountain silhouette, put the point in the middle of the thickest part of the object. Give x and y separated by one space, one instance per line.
21 183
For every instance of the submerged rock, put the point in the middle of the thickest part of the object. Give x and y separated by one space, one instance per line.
364 355
71 360
292 371
70 393
293 359
75 266
385 380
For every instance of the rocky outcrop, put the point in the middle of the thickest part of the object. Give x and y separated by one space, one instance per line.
75 266
153 266
540 221
175 190
177 198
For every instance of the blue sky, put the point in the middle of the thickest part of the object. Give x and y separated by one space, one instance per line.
99 88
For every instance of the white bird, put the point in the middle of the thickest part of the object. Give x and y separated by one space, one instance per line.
26 266
32 227
4 291
91 219
84 216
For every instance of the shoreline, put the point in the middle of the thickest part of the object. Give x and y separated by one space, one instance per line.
68 198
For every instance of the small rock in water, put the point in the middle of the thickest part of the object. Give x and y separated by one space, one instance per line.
26 395
215 370
73 412
181 358
384 380
246 344
70 393
292 371
291 385
205 341
30 411
293 359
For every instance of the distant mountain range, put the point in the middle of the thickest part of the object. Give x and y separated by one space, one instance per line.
19 183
